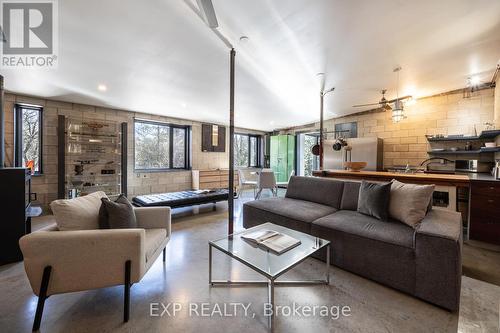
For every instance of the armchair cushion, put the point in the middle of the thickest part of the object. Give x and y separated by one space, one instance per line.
117 214
80 213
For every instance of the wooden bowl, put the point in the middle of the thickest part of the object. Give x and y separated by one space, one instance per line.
355 166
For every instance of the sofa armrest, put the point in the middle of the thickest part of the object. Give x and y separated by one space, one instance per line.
438 250
153 218
441 223
84 259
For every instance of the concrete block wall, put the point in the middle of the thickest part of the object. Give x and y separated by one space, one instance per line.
497 112
138 183
405 142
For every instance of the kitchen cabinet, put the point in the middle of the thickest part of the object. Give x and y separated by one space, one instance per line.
485 211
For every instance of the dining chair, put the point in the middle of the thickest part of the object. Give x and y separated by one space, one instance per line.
243 181
285 184
266 180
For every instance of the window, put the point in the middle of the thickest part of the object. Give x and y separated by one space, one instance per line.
28 137
247 150
160 146
307 162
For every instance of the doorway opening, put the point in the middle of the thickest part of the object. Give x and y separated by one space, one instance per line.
307 162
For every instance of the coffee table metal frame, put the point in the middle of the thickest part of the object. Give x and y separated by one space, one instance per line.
271 283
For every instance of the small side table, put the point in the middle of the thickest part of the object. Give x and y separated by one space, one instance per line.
33 211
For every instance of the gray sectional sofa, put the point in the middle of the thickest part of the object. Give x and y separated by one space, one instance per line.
424 262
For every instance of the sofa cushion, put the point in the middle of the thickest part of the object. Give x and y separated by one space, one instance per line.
80 213
154 239
374 200
350 196
319 190
391 232
409 202
305 211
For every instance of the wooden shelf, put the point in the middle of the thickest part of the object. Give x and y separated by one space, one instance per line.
464 152
491 134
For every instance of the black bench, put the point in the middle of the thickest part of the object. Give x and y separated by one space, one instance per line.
182 198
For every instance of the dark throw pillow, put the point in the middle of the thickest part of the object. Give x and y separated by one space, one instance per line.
374 200
117 214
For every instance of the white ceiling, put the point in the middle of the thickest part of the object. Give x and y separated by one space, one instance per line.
159 57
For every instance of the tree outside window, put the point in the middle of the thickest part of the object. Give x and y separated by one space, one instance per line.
246 150
28 142
160 146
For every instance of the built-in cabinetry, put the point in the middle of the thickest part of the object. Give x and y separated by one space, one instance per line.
212 179
485 211
92 157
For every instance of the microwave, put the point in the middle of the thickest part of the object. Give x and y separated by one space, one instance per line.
472 166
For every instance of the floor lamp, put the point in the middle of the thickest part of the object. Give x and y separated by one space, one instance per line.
321 129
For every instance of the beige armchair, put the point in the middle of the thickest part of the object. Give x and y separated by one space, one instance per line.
58 262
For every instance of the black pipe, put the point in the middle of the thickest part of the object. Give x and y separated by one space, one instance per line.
321 96
2 125
230 203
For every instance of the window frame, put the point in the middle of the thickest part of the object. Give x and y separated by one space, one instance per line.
258 152
187 146
18 133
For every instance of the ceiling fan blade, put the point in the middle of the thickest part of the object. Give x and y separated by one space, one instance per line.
208 12
386 107
400 98
362 105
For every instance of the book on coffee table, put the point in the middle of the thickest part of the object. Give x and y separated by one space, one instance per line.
271 240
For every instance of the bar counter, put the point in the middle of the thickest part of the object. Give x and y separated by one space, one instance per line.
415 178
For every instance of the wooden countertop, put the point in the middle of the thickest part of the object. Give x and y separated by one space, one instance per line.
417 178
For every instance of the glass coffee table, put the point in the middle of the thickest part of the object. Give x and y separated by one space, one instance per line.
267 263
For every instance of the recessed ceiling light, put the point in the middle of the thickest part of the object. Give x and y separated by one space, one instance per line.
184 105
244 39
102 87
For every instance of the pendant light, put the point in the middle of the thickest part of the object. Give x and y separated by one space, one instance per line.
398 112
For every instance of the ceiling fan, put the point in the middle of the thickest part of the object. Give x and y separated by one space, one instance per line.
384 102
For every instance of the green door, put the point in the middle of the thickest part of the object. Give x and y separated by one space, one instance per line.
282 156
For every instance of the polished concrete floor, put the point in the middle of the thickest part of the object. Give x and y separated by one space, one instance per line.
183 279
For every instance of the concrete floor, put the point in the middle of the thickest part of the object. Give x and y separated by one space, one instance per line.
183 279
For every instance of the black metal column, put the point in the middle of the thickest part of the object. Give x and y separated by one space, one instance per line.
321 95
230 221
2 125
124 165
61 159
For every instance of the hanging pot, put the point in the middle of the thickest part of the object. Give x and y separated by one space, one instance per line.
339 143
315 150
337 146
